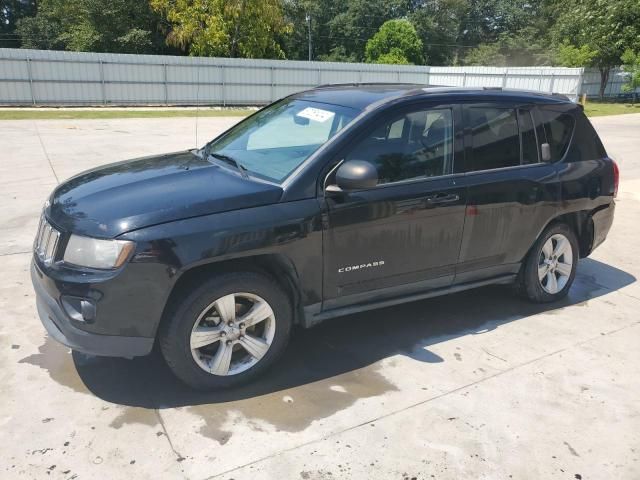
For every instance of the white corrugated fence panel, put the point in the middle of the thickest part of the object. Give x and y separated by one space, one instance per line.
84 78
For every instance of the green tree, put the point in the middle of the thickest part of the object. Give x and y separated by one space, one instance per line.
120 26
600 32
353 27
572 56
487 54
226 28
526 47
631 68
11 11
396 42
438 24
323 47
395 56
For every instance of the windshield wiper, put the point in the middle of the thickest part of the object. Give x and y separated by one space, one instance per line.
226 158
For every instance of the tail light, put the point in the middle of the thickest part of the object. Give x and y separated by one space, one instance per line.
616 178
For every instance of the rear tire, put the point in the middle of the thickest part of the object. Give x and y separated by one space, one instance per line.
227 331
550 267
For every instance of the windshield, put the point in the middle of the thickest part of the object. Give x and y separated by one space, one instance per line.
275 141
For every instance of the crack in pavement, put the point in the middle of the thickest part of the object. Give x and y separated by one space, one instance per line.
423 402
493 355
179 457
44 150
14 253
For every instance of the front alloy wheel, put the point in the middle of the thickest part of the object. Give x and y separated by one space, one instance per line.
226 330
232 334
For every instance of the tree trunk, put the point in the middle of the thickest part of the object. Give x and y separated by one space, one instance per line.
604 79
235 39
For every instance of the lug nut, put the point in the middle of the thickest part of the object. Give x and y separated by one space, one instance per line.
223 334
229 342
230 323
241 325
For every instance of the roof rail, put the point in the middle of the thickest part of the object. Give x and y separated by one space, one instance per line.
357 84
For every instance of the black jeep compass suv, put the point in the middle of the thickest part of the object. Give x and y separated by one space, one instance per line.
334 200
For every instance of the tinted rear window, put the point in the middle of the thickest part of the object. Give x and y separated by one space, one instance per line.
495 139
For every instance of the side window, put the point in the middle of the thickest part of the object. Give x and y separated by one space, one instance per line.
528 137
495 140
586 144
559 127
395 129
411 146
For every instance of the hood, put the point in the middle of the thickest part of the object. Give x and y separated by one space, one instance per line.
108 201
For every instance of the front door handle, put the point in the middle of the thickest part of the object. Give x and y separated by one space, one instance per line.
441 198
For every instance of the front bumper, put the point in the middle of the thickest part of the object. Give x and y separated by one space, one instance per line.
61 328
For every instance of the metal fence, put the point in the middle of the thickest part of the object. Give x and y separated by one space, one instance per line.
42 77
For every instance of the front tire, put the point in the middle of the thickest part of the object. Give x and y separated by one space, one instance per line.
228 330
550 267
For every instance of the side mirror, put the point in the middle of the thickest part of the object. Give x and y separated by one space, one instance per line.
355 175
545 149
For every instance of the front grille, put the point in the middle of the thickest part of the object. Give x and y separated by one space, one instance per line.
46 241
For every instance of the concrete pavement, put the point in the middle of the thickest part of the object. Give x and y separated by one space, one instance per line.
478 384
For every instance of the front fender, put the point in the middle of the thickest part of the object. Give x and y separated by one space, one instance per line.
292 230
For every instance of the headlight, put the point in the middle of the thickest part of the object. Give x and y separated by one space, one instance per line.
95 253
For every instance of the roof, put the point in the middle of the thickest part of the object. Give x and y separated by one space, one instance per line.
363 95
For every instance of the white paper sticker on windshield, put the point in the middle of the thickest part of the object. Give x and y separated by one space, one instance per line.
316 114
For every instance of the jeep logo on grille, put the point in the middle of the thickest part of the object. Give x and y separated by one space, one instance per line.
362 266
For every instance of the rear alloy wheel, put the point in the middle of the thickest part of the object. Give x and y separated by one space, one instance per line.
555 263
551 265
228 330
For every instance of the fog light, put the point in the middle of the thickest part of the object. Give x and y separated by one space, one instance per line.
79 309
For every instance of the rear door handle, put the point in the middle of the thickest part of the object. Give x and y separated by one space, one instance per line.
441 198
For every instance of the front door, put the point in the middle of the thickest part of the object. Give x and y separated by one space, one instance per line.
404 234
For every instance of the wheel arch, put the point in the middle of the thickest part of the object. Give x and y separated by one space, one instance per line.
582 225
276 266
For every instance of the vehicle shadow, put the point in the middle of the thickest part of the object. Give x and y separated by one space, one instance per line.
344 344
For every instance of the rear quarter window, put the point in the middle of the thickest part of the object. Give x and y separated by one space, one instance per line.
586 144
558 127
570 134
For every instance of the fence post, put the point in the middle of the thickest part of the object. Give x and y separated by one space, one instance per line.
102 86
609 84
222 88
272 80
580 83
553 82
166 86
464 79
504 79
319 82
33 98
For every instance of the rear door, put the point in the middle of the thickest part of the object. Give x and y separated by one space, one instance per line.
511 193
402 235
